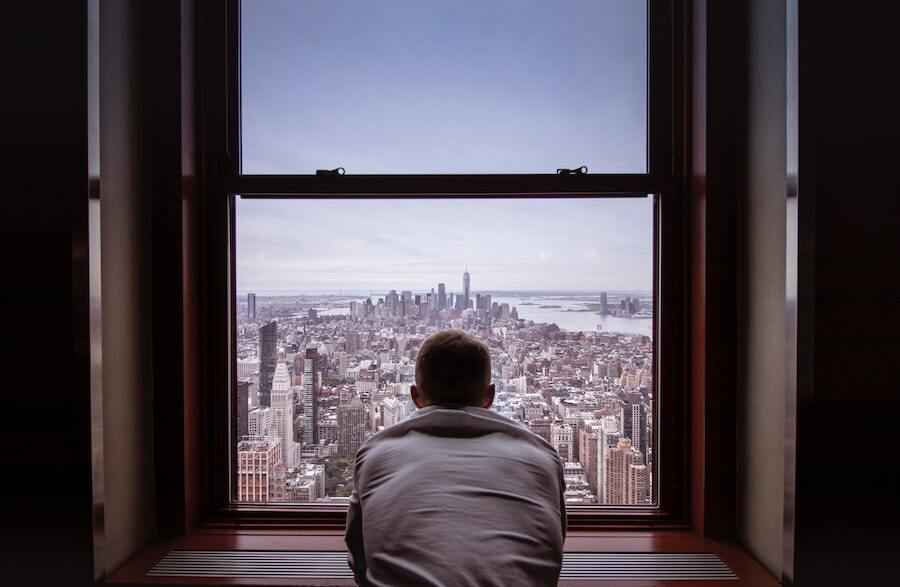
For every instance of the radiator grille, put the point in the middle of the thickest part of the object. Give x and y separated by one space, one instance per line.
636 566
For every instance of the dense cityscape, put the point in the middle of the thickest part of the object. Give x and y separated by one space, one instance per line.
317 375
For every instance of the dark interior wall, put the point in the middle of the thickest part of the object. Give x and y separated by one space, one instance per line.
761 291
849 295
127 405
46 521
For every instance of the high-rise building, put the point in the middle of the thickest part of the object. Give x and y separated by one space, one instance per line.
466 290
351 427
561 434
282 411
634 423
251 307
590 447
607 438
259 422
260 471
247 368
393 301
242 408
268 335
312 315
542 428
391 411
311 392
619 480
442 296
638 491
352 341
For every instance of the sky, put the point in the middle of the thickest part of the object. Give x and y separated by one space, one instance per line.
306 246
443 86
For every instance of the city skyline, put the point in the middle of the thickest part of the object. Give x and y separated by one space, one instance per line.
339 379
527 244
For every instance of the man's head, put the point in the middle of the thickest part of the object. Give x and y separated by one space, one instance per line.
453 367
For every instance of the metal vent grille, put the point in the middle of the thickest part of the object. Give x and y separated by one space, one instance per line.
634 566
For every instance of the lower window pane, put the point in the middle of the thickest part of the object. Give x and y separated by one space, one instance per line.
335 296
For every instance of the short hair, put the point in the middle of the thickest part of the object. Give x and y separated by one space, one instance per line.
453 367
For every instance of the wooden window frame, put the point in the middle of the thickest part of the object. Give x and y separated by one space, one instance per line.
214 31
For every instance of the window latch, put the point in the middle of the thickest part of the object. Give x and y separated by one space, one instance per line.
338 171
576 171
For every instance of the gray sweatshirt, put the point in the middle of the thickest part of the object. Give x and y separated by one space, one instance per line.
456 496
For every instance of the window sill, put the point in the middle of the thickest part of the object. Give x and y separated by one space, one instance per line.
134 572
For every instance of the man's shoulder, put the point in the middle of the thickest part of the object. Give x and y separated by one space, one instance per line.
458 422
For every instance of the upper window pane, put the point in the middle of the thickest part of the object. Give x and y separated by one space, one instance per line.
443 86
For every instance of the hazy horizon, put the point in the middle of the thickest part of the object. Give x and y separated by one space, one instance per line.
527 244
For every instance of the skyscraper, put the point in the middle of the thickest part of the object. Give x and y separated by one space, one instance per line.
251 307
282 413
391 411
442 296
561 433
634 423
637 490
466 290
351 427
268 334
607 439
311 393
242 408
619 480
604 309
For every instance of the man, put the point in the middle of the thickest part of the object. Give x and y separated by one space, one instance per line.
456 495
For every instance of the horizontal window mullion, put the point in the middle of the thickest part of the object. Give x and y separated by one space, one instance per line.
625 185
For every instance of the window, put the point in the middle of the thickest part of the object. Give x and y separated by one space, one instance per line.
444 86
450 120
334 297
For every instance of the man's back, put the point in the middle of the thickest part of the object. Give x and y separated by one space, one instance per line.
457 496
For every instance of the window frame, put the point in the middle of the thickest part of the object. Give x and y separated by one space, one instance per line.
220 179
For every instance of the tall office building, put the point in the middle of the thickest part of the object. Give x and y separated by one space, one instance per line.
259 422
607 438
604 308
634 423
393 301
260 472
311 392
542 428
268 335
391 411
351 427
251 307
619 481
466 290
442 296
637 486
561 433
242 409
282 413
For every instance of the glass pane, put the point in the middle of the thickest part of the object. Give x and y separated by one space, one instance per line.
444 86
335 296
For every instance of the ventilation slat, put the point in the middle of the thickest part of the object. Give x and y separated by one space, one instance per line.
634 566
